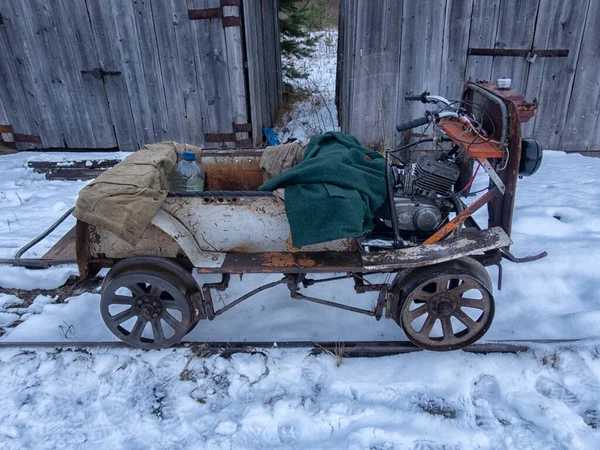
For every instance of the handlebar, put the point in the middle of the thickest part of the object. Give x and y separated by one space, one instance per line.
413 98
413 124
433 117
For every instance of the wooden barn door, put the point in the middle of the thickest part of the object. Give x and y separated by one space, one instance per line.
46 101
123 73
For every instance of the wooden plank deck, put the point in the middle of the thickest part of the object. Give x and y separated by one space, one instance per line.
64 248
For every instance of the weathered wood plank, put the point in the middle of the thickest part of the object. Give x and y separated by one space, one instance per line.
484 26
237 76
132 70
76 39
583 116
251 13
368 83
12 91
457 27
61 73
516 24
211 49
64 248
551 79
190 73
150 59
421 53
104 31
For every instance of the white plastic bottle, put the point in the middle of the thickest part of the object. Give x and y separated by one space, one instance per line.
188 175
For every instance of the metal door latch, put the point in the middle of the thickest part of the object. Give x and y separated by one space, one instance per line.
100 73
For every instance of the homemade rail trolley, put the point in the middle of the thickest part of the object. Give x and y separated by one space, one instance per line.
441 296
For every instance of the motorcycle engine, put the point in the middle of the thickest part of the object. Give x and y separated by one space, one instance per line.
421 201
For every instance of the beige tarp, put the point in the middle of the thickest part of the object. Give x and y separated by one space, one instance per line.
124 199
278 158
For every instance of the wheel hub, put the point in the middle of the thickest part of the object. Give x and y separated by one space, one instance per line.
148 307
443 304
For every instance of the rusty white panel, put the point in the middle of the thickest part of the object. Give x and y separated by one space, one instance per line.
241 224
186 241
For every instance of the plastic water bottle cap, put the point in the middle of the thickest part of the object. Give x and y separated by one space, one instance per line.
189 156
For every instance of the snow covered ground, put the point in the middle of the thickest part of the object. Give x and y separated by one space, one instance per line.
545 399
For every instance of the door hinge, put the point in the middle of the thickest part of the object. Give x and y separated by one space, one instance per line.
217 13
10 138
1 20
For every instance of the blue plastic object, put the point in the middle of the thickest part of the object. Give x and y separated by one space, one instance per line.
188 156
272 138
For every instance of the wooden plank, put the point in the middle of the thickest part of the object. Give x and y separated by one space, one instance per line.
457 29
59 72
484 26
251 19
210 48
64 248
130 64
104 30
581 128
368 89
192 83
12 91
150 60
516 24
551 79
66 68
77 41
421 53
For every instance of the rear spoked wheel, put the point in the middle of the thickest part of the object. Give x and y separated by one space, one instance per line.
147 305
447 306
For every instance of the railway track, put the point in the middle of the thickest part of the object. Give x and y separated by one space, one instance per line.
367 349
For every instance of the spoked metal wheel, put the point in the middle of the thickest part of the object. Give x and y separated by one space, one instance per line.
145 303
446 306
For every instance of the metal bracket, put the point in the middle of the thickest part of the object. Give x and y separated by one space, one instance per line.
100 73
492 174
217 13
8 136
518 52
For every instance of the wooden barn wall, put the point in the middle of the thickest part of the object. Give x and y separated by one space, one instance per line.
390 48
180 79
264 62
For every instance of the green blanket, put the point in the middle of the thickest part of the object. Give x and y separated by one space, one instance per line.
334 192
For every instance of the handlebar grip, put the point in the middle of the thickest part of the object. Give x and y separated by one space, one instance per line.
412 124
412 98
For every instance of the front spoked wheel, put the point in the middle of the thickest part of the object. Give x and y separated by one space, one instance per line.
445 307
147 306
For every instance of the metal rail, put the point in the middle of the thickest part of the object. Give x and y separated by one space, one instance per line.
347 349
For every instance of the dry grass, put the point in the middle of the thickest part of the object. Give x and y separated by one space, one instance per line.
6 151
72 287
338 353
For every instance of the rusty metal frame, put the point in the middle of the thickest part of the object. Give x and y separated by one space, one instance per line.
462 216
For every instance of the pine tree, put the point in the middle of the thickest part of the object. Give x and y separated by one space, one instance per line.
296 41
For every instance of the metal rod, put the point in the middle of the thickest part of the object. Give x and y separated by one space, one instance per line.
391 203
37 263
49 230
248 295
350 349
333 304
